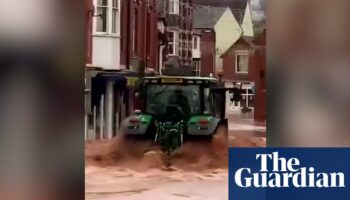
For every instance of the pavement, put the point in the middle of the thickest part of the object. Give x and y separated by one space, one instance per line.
110 183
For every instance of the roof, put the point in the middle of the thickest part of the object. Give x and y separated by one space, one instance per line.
206 17
237 6
245 40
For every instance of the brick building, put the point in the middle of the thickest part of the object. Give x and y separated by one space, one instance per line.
236 60
141 34
230 19
205 20
179 35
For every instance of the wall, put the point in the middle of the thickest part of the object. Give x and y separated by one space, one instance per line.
229 63
106 46
227 32
247 24
106 52
257 74
125 26
153 41
207 47
183 23
196 53
147 41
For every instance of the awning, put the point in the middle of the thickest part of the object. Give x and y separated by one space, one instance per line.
112 76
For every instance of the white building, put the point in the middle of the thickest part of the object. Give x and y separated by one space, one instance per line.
106 56
106 34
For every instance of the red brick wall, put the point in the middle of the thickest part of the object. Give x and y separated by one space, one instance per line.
256 71
229 63
152 29
146 47
207 48
258 75
124 31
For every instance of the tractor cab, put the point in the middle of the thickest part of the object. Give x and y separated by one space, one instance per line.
178 98
177 109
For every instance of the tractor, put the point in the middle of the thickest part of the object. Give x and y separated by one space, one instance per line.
176 110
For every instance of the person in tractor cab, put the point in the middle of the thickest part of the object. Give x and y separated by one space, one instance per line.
178 98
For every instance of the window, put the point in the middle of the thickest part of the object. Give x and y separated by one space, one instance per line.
184 10
242 59
196 42
115 16
174 7
197 64
180 45
207 101
102 13
173 42
107 16
187 98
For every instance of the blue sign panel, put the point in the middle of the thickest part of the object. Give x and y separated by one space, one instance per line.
289 173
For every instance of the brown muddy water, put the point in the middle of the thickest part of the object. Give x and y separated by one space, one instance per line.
138 170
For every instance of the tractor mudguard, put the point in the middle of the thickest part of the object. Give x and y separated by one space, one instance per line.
136 124
202 125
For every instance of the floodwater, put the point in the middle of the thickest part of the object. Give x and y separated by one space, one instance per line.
124 171
121 183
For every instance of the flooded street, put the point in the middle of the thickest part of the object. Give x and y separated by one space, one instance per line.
114 183
200 173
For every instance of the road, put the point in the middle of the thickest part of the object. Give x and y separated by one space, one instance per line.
113 182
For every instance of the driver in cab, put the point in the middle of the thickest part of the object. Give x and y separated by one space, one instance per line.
178 98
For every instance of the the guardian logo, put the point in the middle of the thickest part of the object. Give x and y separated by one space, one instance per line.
286 173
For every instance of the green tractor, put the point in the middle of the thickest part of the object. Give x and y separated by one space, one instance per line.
177 110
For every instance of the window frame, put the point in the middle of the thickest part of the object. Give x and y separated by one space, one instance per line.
195 42
174 7
241 53
174 42
117 19
110 9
